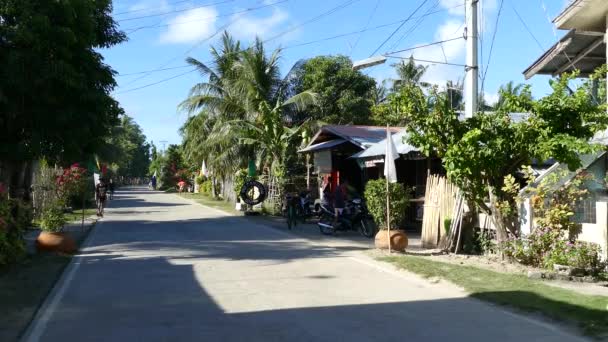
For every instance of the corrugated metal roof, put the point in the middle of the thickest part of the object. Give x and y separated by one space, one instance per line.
323 146
360 136
581 50
379 149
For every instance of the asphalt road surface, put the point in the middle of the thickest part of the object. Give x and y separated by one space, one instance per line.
160 268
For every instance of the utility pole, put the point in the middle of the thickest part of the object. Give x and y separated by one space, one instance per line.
164 142
472 76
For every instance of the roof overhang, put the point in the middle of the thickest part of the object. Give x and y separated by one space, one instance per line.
577 50
587 15
322 146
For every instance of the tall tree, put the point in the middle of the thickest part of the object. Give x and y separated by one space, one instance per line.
345 95
409 73
240 109
54 87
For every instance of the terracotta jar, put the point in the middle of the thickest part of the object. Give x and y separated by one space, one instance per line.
398 240
55 242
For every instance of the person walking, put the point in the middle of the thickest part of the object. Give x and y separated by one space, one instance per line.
101 190
339 198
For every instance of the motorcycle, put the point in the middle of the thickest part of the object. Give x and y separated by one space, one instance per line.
302 203
354 217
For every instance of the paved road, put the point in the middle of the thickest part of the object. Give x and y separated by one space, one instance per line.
159 268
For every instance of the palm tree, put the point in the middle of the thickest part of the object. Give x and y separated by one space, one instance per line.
510 89
409 73
243 105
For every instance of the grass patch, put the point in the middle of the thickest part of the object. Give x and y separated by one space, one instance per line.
24 286
211 202
517 291
76 215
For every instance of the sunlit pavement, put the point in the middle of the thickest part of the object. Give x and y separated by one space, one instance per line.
160 268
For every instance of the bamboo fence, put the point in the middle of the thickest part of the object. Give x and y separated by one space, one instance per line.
440 208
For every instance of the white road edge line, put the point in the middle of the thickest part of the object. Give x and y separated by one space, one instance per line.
38 324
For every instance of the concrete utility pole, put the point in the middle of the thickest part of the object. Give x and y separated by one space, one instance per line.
472 77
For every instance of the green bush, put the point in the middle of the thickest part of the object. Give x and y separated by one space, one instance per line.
375 197
200 179
240 177
15 217
52 218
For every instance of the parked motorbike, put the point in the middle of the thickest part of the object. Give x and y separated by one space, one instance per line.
354 217
303 203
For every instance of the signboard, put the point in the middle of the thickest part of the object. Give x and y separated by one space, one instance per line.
373 162
323 161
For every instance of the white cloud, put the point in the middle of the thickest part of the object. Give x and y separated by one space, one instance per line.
248 27
146 6
491 98
190 26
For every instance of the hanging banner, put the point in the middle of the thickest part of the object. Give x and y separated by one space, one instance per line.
323 162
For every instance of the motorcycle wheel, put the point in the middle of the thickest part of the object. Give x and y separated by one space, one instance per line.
326 220
367 227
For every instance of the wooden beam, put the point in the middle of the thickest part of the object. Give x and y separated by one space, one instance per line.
580 56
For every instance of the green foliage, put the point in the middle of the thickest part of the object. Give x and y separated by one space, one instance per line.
127 149
240 177
206 187
171 167
375 197
15 218
408 98
480 152
54 86
553 240
200 179
52 218
242 112
345 95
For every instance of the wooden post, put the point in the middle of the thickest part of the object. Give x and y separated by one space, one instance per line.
388 209
83 200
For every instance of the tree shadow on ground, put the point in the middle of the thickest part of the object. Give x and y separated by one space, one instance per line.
126 298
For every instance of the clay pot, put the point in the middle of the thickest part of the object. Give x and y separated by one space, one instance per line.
398 240
55 242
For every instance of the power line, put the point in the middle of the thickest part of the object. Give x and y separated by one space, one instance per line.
317 18
427 61
331 11
386 55
398 28
317 41
151 9
154 70
366 26
485 73
527 28
415 26
155 83
423 46
175 11
160 24
187 51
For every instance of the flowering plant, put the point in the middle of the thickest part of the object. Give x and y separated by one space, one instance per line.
71 181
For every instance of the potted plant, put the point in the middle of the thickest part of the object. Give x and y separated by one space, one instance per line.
375 196
52 238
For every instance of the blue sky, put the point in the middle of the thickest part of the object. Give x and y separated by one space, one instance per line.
162 33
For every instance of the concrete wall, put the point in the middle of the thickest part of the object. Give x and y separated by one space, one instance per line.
597 232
